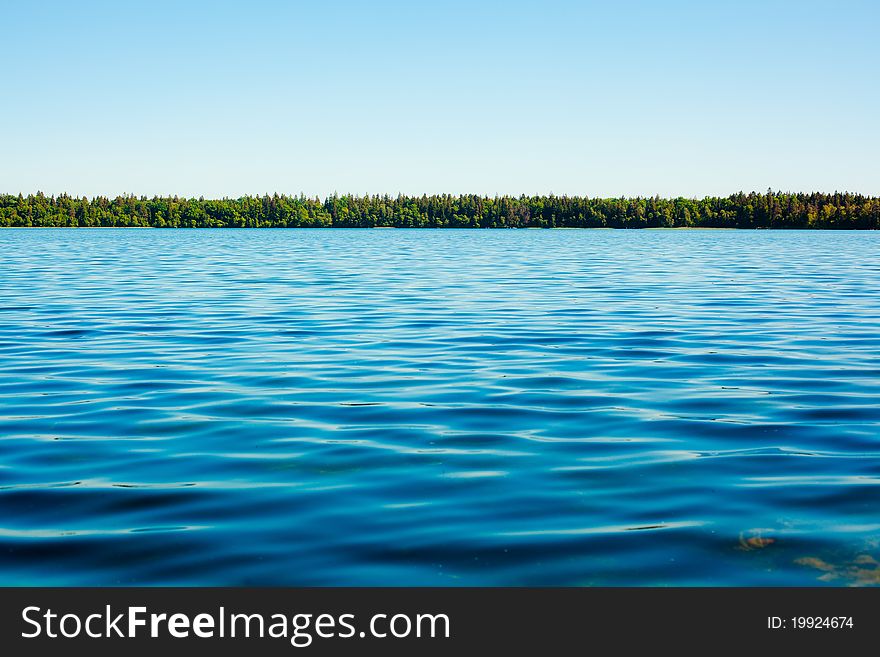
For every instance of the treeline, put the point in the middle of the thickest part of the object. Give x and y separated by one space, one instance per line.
769 210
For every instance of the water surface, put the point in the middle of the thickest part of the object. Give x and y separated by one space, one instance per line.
405 407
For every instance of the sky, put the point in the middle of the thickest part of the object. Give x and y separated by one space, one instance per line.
615 98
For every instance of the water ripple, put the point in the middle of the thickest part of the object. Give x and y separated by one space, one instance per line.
439 407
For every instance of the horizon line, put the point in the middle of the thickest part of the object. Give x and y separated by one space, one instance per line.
520 195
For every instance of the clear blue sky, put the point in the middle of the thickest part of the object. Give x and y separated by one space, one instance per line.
600 98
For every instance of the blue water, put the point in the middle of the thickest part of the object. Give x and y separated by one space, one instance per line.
394 407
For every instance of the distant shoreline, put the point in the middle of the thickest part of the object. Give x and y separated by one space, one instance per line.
771 210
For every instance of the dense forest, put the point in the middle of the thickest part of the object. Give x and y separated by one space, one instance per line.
769 210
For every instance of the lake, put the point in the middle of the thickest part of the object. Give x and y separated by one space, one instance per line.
439 407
